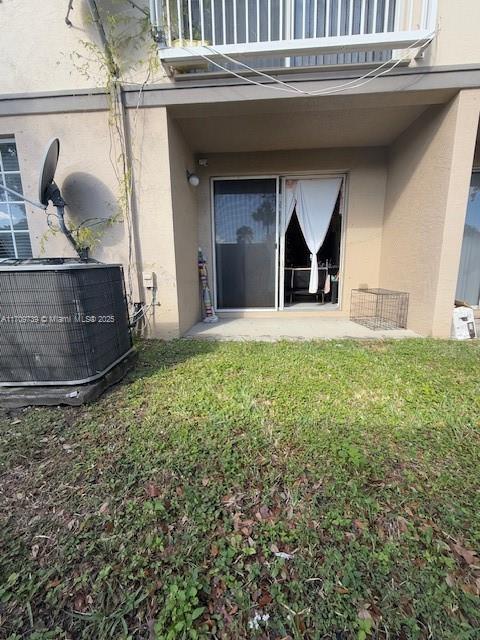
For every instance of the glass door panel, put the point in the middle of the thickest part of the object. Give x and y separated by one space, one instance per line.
245 226
468 286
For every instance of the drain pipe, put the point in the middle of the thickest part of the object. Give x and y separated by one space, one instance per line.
116 93
111 64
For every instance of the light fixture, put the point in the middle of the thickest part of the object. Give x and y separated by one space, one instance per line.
193 179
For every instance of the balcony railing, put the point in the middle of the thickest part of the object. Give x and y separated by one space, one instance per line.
190 29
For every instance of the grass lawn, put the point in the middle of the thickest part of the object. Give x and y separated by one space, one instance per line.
251 490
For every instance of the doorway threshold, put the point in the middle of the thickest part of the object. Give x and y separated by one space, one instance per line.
311 306
312 311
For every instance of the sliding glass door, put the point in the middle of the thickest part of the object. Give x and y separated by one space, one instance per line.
468 286
245 230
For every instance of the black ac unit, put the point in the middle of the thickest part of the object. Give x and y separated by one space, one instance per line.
62 321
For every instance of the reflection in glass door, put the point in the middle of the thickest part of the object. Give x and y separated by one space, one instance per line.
468 286
245 228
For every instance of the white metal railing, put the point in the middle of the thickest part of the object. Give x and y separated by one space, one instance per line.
188 29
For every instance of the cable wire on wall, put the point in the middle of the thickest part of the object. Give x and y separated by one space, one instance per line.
373 74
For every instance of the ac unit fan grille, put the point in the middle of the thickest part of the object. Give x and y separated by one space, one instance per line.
61 325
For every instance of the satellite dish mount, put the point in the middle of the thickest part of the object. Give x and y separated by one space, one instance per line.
48 191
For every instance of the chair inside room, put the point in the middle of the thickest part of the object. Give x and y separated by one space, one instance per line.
298 264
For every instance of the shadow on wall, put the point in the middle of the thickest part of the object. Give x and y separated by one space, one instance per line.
88 198
416 140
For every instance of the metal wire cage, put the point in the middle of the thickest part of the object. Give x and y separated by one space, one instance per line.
379 308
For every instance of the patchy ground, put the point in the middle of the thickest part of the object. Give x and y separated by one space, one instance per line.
249 490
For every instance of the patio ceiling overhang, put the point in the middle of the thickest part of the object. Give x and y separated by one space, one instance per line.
304 123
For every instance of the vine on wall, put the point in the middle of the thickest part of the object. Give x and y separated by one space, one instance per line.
121 47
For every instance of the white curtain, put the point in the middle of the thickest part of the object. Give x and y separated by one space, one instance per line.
290 201
314 202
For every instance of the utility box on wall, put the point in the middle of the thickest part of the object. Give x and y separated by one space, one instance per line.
463 325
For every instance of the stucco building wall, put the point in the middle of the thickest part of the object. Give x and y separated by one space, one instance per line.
92 188
185 226
404 209
429 170
84 172
365 192
39 52
457 41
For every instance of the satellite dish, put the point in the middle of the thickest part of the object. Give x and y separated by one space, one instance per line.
48 191
48 168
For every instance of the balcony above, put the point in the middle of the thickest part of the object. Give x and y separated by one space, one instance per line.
195 33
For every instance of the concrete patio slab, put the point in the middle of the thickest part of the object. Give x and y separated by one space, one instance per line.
306 328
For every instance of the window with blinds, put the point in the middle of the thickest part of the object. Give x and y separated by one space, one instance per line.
14 236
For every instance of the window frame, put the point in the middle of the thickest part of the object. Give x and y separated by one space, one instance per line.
12 232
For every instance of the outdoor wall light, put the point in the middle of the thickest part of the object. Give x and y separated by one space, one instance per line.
193 179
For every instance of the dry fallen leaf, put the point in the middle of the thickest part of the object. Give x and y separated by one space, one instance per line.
402 524
264 599
450 580
80 603
263 513
360 525
71 524
228 500
53 583
468 587
466 554
214 550
104 508
364 614
341 590
152 490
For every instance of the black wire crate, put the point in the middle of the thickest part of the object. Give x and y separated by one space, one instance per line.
379 308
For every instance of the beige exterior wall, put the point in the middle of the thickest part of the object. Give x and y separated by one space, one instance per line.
185 226
84 172
457 41
405 206
427 189
91 187
154 215
428 171
39 52
366 178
